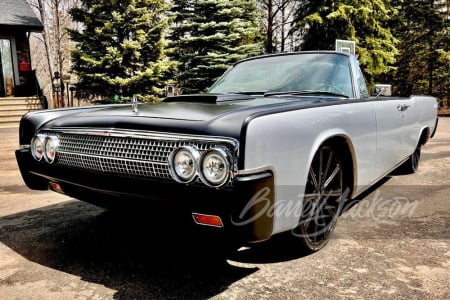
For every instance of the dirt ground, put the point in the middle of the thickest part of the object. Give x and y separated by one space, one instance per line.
393 243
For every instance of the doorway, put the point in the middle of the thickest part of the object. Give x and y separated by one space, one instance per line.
6 69
2 83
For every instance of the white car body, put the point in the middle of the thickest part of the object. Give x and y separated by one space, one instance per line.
381 138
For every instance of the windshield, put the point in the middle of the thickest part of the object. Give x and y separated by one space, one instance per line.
305 72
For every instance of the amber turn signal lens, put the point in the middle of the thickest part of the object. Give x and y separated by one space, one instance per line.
207 220
55 187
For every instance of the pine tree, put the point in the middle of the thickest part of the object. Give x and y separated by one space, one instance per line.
365 22
420 28
120 50
441 87
443 80
209 36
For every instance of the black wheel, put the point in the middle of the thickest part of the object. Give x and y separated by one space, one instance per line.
411 165
325 193
414 159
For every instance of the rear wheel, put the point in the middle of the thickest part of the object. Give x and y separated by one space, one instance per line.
411 165
325 193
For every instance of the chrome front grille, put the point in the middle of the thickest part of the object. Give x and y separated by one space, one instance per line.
117 147
124 154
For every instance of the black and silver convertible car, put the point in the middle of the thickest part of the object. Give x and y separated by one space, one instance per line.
277 144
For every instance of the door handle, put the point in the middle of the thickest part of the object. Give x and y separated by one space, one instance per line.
402 107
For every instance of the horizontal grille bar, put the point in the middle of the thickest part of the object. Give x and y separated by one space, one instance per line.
121 155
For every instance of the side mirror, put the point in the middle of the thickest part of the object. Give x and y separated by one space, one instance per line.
382 90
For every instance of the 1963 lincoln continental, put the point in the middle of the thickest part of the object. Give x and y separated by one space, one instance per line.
277 144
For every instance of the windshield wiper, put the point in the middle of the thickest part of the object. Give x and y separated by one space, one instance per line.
305 92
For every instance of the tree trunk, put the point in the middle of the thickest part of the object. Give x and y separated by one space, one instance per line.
270 17
45 38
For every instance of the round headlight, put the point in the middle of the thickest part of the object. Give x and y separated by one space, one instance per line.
215 166
51 146
183 163
37 146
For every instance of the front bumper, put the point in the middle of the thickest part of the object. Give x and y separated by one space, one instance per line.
244 208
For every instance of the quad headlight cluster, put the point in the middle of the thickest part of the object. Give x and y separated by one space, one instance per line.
44 146
214 167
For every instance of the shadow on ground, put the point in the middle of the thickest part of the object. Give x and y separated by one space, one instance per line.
130 254
137 255
152 255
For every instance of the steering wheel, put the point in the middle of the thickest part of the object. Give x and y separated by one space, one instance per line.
332 88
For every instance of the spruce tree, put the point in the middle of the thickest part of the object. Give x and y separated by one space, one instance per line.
209 36
120 49
420 26
365 22
443 78
443 45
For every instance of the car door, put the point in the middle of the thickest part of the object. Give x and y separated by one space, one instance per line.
390 132
410 124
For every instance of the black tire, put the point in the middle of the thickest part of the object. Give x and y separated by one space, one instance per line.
411 165
325 194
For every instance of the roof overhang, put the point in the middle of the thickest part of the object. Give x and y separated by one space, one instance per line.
17 15
15 28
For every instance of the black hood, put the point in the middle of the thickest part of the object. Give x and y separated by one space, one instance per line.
219 118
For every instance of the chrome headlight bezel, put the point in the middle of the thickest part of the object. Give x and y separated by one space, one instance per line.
224 162
38 146
193 156
50 149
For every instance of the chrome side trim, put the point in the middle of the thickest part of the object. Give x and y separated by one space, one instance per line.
255 171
